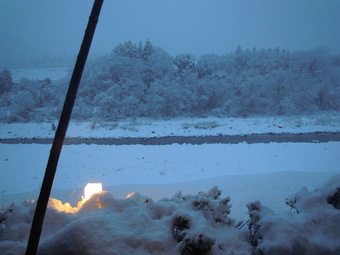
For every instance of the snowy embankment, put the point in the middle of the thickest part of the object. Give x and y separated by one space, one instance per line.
146 128
191 222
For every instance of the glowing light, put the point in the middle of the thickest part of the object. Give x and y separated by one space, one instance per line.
131 194
92 188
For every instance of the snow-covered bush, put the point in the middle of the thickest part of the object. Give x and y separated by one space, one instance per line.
135 225
183 224
6 81
334 199
313 228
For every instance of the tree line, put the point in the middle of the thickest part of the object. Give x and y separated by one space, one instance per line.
140 80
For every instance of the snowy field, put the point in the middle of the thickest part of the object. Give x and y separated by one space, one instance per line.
144 223
144 127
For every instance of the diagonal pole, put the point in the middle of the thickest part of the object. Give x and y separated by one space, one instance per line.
38 219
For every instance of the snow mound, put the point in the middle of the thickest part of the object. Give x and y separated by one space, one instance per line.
313 227
191 224
135 225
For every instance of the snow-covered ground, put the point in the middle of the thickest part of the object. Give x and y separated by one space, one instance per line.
112 224
143 127
172 168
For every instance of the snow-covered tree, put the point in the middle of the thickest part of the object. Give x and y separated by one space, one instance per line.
185 62
147 50
127 49
6 82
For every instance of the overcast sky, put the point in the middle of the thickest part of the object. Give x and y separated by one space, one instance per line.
40 28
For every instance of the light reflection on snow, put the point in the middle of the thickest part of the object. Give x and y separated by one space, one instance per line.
92 188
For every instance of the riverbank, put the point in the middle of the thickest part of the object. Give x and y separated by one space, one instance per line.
177 127
317 137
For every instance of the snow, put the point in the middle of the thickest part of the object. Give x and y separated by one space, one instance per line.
39 73
196 224
145 128
131 164
171 185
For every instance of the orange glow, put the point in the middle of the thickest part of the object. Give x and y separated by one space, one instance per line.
89 190
60 207
131 194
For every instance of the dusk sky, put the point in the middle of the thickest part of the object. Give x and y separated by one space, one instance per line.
47 28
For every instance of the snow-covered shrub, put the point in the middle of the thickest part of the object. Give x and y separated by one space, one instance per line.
196 245
214 210
6 82
335 198
312 229
15 223
135 225
188 241
213 207
184 224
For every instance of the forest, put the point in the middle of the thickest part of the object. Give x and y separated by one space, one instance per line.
141 80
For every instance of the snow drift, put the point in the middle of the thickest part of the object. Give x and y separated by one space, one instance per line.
191 224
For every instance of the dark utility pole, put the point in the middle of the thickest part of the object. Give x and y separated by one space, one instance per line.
38 219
